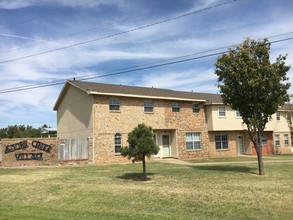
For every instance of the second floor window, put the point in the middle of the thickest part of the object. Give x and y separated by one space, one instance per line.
175 107
238 115
222 111
114 104
148 106
195 108
278 116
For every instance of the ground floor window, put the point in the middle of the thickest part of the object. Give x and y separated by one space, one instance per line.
221 141
117 143
286 139
264 140
192 141
277 140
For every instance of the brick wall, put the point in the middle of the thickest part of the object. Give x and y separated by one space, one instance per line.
107 123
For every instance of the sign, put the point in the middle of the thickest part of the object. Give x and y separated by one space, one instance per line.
23 145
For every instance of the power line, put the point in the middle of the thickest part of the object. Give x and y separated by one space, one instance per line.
116 34
51 40
134 68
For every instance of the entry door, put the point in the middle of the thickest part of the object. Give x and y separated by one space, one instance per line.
166 145
240 145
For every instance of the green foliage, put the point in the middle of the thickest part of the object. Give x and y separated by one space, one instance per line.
21 131
253 85
141 143
250 83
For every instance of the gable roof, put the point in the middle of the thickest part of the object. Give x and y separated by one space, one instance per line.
92 88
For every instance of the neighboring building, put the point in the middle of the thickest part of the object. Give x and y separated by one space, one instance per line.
49 132
186 125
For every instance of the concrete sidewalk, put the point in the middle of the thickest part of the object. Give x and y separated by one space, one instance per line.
182 162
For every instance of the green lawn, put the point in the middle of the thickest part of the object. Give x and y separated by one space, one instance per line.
243 158
226 191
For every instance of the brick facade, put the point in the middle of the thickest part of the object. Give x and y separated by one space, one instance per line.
107 123
93 119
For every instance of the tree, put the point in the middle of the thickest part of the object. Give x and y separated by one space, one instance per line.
254 86
20 131
141 144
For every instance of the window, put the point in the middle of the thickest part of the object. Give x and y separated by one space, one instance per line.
238 115
175 107
278 116
222 111
192 141
264 140
114 104
195 108
286 139
117 142
221 141
277 140
155 139
148 106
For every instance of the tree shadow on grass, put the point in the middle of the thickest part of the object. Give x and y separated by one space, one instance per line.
135 176
238 169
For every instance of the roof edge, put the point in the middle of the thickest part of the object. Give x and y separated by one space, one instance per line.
145 96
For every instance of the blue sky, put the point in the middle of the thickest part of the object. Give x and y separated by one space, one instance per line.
35 27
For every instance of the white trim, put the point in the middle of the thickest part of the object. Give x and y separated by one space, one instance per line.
145 96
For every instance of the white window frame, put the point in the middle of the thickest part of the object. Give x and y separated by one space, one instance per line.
278 116
224 141
114 104
148 106
117 143
238 115
193 140
277 140
222 111
286 139
175 107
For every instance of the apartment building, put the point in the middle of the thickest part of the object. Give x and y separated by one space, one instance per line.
186 125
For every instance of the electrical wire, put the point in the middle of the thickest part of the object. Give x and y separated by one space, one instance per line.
134 68
117 34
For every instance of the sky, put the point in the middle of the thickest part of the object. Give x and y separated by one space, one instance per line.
44 42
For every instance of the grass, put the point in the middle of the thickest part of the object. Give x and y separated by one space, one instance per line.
226 191
244 158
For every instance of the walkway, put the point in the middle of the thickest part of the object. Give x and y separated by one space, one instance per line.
183 162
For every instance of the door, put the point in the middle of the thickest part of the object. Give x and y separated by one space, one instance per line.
240 145
166 145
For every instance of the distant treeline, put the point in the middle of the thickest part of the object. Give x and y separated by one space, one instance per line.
21 131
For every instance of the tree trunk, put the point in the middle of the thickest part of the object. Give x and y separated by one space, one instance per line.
144 168
258 149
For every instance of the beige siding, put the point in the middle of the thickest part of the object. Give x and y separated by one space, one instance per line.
230 122
280 125
74 115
